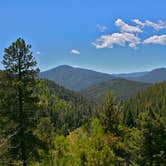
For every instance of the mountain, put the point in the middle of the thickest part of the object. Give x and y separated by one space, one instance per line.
75 78
68 110
78 79
128 75
154 76
70 96
152 100
121 88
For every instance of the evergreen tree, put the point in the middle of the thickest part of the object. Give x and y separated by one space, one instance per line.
154 132
110 116
19 104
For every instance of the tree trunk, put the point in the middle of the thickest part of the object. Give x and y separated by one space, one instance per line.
22 130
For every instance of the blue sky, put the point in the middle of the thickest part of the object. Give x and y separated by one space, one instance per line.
96 34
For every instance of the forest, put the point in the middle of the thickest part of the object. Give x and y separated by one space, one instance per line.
44 124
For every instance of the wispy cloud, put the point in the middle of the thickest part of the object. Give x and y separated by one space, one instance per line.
101 28
156 40
124 27
75 52
129 35
138 22
122 39
157 26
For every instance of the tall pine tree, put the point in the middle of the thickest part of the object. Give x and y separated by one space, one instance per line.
20 102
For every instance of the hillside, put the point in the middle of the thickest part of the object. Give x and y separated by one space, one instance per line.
154 96
153 99
121 88
130 75
154 76
75 78
67 95
78 79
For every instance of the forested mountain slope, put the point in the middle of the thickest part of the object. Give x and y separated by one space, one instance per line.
154 76
120 88
78 79
75 78
66 94
153 99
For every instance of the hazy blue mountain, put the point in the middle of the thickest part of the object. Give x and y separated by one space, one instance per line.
79 79
120 88
75 78
128 75
154 76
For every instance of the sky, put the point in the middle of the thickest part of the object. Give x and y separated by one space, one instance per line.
113 36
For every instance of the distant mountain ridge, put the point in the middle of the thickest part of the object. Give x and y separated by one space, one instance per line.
128 75
154 76
79 79
75 78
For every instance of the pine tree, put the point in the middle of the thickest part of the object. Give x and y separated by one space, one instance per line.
19 102
110 116
154 132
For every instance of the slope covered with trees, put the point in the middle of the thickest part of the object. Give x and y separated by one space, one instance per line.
67 95
75 78
131 133
122 89
154 76
31 109
43 124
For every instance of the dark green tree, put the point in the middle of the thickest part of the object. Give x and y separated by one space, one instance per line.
110 115
154 132
19 104
45 132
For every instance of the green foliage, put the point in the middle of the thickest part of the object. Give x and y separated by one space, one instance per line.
147 113
111 116
86 147
122 89
154 142
66 109
18 101
41 123
153 97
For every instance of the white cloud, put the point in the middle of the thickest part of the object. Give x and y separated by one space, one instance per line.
157 26
75 52
38 52
156 40
108 41
124 27
101 28
138 22
128 35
